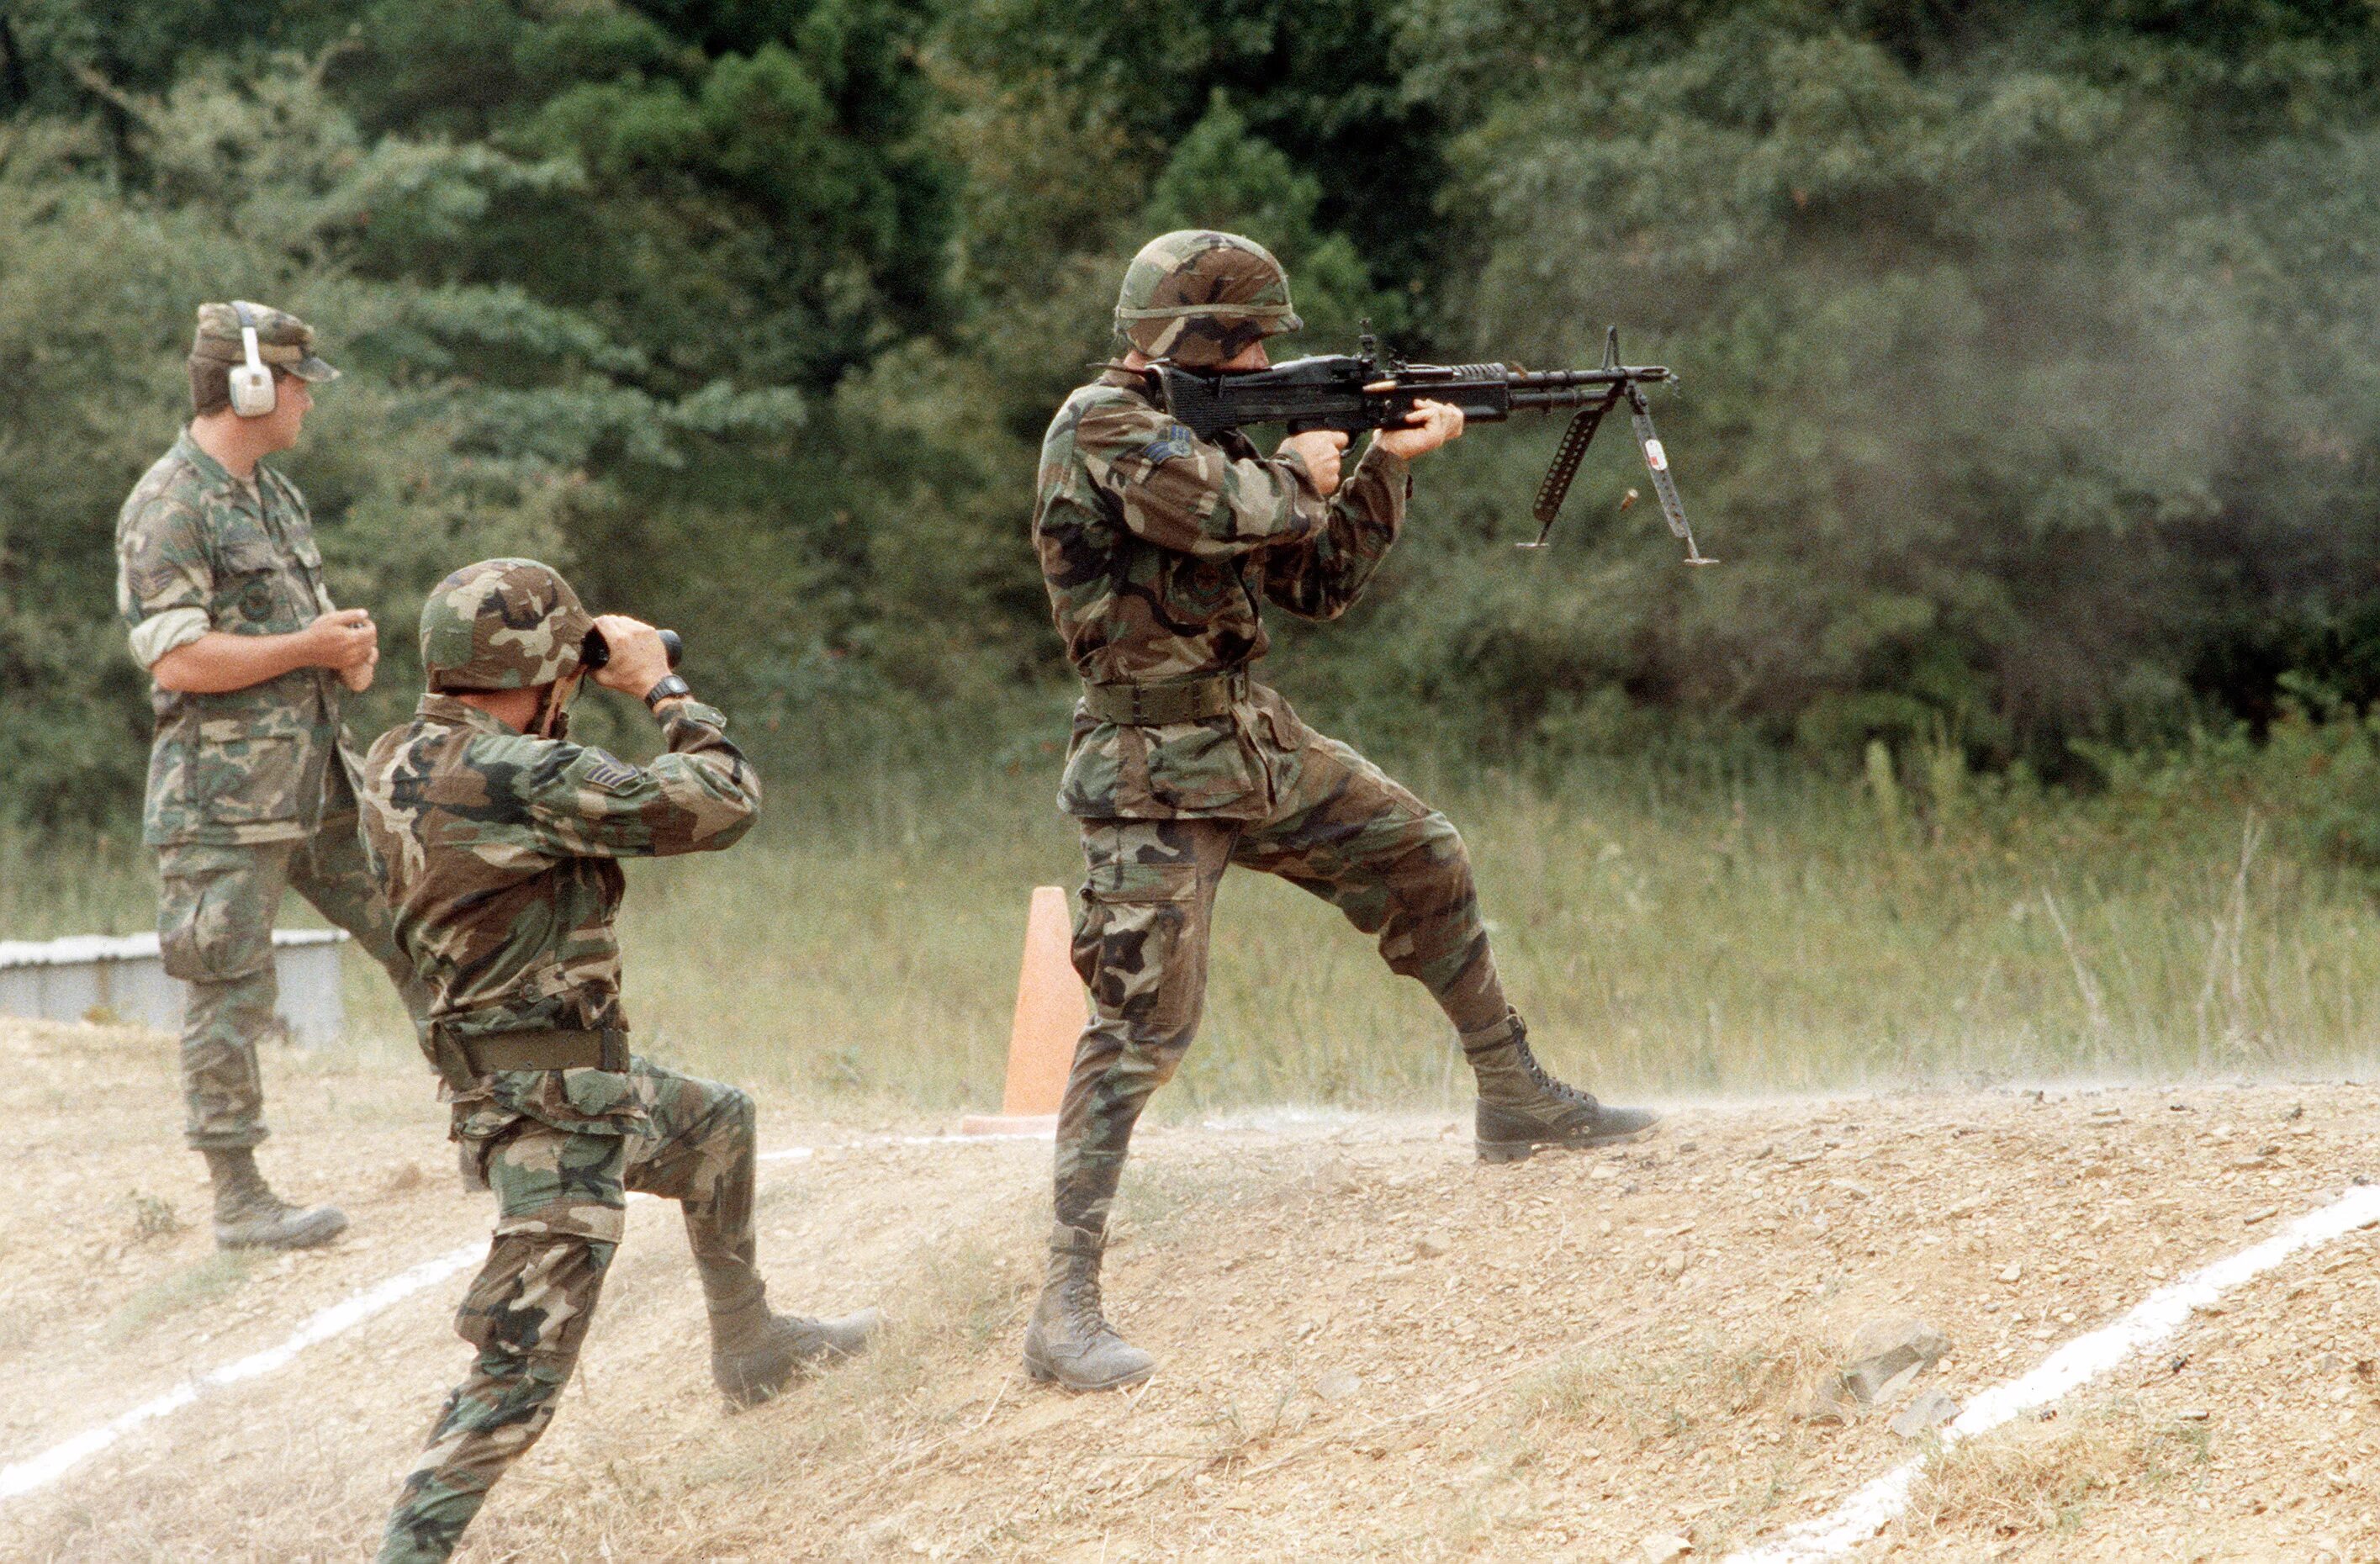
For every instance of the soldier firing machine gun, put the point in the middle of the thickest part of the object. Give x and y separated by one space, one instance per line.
1358 392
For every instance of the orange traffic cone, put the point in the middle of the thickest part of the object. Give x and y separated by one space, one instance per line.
1051 1010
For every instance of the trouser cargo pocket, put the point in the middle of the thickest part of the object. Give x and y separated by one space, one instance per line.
215 907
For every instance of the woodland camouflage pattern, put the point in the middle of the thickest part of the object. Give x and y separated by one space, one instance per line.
1156 548
1199 297
502 625
561 1198
498 851
197 552
215 909
1338 827
249 790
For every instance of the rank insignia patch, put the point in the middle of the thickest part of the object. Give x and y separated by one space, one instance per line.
610 773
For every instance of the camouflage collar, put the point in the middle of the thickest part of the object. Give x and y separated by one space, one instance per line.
213 473
436 707
1133 380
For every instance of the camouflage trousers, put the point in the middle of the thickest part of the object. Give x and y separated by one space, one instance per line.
215 908
562 1207
1338 827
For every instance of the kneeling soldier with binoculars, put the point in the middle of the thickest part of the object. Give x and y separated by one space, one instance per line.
497 843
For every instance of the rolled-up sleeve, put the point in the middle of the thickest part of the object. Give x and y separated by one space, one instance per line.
162 632
165 583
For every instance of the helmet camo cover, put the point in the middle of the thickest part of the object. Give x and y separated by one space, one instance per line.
502 625
1198 297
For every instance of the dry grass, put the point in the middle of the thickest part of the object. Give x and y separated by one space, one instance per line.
2036 1476
202 1286
1689 1393
1663 936
1662 939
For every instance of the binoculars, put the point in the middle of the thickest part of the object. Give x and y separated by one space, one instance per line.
595 651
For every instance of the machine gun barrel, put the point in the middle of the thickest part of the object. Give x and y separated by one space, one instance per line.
1611 375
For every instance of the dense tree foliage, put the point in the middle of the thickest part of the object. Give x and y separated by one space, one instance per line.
2031 352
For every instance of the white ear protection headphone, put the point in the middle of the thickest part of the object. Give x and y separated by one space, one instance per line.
252 395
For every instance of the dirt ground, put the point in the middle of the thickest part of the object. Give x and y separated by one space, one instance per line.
1371 1345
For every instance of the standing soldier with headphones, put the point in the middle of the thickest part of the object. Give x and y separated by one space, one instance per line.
251 776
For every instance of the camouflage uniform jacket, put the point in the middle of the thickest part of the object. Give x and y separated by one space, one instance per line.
196 552
1156 548
499 853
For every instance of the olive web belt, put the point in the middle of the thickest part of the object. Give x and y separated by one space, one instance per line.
1153 706
463 1059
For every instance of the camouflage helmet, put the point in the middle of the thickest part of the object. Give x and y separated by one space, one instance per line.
502 625
1199 297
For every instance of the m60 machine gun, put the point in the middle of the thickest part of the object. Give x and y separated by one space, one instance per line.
1358 391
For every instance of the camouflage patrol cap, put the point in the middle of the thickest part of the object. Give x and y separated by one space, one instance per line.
1199 297
283 341
502 625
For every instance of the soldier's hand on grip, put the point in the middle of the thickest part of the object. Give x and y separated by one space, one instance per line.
1431 425
639 661
1320 450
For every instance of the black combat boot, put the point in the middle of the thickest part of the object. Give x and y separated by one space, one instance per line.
1068 1339
250 1215
1521 1108
754 1353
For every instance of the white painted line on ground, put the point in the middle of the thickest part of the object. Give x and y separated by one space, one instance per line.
38 1471
2149 1321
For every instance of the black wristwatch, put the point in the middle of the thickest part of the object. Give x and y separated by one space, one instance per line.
668 689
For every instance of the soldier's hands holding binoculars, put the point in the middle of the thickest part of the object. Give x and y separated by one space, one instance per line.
639 661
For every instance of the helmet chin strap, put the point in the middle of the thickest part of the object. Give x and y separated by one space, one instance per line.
553 712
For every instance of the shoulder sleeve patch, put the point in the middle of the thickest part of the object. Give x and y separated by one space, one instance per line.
609 772
1174 442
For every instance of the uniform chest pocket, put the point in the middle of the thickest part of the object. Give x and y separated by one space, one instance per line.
250 574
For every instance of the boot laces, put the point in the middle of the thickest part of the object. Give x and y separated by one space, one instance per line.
1560 1090
1082 1294
258 1203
